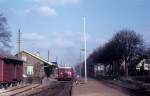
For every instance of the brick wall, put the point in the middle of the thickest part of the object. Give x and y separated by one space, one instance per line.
38 66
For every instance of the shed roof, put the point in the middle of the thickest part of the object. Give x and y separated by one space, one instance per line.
37 57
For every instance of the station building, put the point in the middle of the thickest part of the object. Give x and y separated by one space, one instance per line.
35 68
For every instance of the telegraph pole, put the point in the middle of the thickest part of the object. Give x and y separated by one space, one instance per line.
85 49
19 43
19 40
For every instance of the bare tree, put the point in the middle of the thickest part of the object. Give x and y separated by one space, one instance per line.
5 36
128 44
125 46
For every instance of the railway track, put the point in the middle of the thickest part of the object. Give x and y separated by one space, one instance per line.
13 88
59 89
55 89
16 90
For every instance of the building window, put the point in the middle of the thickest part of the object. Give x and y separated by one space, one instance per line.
30 70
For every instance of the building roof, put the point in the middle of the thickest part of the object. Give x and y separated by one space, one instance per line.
37 57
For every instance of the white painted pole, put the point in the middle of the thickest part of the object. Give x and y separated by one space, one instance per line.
85 51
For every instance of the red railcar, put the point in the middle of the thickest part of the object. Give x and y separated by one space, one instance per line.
10 70
65 73
19 72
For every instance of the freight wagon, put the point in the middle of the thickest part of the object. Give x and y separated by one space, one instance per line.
11 69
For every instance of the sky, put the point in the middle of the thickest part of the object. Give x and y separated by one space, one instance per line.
57 25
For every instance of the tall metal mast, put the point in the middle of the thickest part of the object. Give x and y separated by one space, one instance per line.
85 50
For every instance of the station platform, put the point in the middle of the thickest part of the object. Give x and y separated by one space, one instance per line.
94 88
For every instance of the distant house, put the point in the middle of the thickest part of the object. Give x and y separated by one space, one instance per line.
35 66
145 63
143 68
99 69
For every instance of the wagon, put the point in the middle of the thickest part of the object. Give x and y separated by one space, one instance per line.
10 70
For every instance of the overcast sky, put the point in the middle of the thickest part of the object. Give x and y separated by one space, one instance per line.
57 25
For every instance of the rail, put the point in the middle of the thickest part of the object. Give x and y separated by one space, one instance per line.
62 88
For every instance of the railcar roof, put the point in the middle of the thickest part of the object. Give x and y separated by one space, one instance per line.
65 68
9 56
